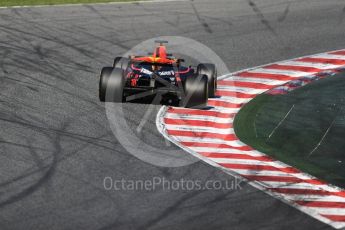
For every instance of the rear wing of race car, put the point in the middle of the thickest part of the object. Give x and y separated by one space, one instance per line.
161 42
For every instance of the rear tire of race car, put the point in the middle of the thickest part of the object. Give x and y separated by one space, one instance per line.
195 92
210 71
121 62
111 85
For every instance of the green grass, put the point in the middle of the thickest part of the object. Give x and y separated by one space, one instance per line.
52 2
318 107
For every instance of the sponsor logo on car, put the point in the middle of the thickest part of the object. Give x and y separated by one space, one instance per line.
145 71
165 73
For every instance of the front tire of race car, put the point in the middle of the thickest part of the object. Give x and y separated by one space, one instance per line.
111 85
210 71
195 92
121 62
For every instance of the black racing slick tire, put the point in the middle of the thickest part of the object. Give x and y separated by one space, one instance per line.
195 92
111 85
210 71
121 62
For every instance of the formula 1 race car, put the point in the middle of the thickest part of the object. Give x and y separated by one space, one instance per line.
158 74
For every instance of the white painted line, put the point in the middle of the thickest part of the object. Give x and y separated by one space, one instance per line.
240 89
256 80
279 72
281 122
97 3
323 137
278 184
329 56
200 129
235 143
199 118
309 64
222 99
236 100
326 198
253 153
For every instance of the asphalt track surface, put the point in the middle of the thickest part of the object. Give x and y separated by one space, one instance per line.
56 144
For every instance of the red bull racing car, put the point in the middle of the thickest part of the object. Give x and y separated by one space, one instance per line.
157 74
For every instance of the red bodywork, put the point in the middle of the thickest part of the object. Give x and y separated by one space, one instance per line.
159 56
